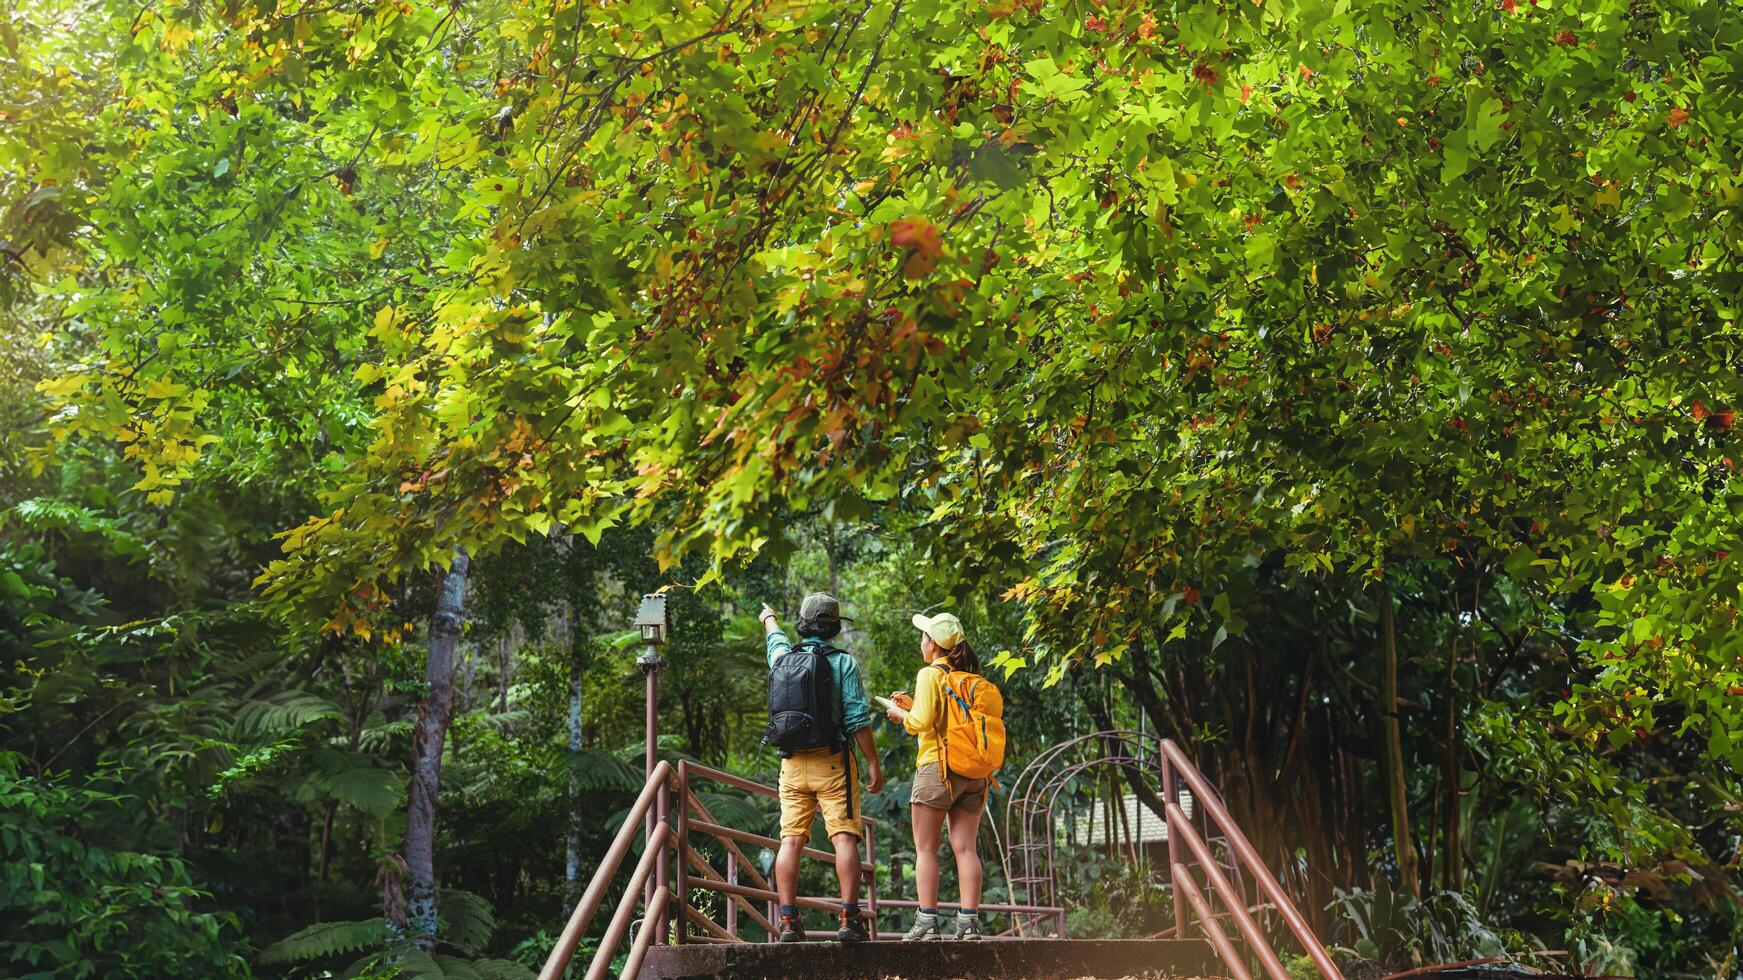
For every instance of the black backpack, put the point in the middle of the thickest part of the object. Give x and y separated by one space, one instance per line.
802 700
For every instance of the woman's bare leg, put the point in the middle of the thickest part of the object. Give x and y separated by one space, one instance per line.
928 822
964 829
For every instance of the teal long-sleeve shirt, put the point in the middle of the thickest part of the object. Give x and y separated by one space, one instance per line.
856 710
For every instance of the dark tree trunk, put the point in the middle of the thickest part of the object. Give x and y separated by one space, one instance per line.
327 840
1453 847
428 734
577 667
1393 740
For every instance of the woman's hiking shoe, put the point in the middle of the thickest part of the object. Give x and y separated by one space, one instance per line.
925 928
853 929
968 927
791 929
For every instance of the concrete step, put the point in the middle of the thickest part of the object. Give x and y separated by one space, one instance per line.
1008 959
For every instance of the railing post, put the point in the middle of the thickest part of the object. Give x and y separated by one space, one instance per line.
620 920
570 938
898 882
871 860
657 911
1219 940
1267 883
681 894
1180 824
650 663
731 906
1174 856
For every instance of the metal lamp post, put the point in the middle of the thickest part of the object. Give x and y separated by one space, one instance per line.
654 621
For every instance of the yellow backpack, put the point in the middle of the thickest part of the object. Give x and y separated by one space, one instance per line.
974 730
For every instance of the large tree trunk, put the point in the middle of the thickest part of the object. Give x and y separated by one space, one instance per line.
1393 739
428 734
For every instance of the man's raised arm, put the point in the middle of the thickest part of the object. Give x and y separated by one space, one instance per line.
777 641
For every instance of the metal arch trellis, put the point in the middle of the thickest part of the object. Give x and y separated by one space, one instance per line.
1030 808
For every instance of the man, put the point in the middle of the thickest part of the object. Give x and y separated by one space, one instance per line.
825 777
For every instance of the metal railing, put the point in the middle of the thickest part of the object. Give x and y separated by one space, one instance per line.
1032 815
671 832
693 818
1177 767
651 801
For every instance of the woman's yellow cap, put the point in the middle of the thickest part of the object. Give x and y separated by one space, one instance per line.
944 629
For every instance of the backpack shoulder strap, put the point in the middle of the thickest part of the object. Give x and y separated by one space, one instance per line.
964 703
838 696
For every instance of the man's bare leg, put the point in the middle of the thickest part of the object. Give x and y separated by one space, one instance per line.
847 866
787 869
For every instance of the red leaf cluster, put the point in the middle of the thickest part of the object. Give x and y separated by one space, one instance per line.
921 236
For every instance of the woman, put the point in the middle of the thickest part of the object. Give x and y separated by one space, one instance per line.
940 796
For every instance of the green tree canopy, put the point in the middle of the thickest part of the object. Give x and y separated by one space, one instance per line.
1138 308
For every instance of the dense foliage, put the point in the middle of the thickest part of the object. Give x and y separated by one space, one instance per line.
1346 392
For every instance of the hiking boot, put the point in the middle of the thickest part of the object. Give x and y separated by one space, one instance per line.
968 927
791 930
925 928
853 929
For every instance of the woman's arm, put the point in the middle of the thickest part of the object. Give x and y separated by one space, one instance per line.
923 716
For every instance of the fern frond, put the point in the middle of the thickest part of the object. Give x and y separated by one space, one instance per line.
415 964
734 810
503 970
46 514
504 720
455 968
376 792
596 769
467 920
351 778
283 711
380 739
325 939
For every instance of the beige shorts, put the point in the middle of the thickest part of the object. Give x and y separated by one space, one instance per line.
956 794
819 779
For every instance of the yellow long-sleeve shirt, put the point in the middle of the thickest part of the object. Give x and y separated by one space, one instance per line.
926 718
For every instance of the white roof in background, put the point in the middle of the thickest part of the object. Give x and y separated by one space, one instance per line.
1147 828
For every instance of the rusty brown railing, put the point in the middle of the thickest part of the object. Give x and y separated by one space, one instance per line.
1175 765
671 832
652 800
694 818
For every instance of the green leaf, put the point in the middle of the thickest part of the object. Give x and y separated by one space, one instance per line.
325 939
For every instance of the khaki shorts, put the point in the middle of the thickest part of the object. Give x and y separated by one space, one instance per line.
958 795
813 780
